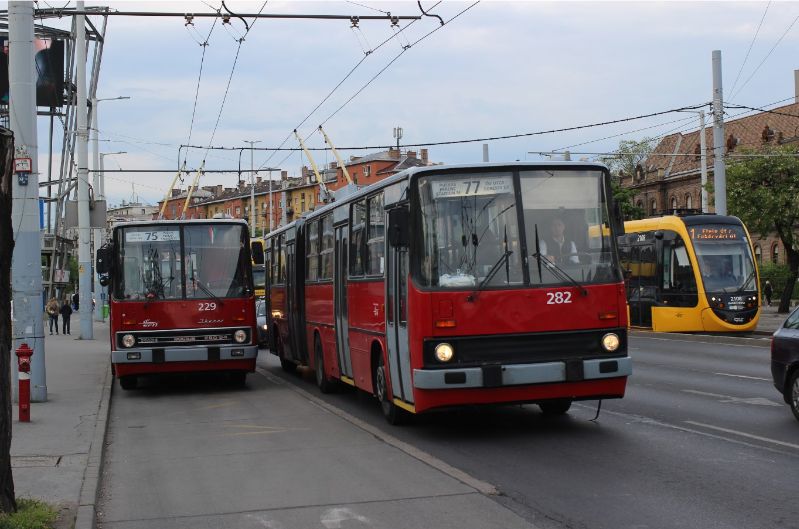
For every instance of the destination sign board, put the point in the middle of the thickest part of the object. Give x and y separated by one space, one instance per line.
477 186
152 236
716 232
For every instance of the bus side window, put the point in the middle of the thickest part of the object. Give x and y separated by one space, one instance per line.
358 238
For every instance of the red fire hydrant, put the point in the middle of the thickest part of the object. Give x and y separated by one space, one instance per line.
24 354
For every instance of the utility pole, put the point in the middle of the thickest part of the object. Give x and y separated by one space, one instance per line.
719 169
398 136
26 285
252 186
84 230
485 152
703 160
270 201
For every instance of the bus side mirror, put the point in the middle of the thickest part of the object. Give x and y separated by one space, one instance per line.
618 218
257 249
398 229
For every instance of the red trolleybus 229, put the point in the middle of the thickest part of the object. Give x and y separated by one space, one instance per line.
493 283
182 298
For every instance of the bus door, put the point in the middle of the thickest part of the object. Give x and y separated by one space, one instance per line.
642 284
340 302
397 322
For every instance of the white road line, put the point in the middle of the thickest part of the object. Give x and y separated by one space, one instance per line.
751 345
742 376
755 401
743 434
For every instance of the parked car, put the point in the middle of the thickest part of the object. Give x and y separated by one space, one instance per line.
263 326
785 361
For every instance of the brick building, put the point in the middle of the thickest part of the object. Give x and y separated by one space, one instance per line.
670 177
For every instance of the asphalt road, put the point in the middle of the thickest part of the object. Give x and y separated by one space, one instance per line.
702 439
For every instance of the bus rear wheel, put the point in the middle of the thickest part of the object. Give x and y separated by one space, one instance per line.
324 383
555 406
392 413
128 382
287 365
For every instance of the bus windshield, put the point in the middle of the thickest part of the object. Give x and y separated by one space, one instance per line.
475 231
724 256
211 262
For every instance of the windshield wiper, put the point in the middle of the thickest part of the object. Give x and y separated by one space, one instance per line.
559 272
491 273
748 279
207 290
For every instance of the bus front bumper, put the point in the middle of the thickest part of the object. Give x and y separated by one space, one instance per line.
184 354
494 376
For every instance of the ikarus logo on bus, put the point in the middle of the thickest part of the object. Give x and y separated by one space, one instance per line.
148 323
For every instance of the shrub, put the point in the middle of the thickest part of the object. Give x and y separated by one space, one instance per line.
31 514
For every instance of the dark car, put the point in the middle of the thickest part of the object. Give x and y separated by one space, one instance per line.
263 326
785 361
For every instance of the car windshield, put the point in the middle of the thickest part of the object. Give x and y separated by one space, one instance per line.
472 233
259 277
210 264
724 256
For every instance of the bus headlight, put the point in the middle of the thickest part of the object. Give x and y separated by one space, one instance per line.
240 336
610 342
128 340
265 326
444 352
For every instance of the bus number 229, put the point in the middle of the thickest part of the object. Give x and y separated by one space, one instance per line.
207 306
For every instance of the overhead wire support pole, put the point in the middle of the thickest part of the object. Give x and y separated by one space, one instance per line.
322 186
719 170
84 220
339 161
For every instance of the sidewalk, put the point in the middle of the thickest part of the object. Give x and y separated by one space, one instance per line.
60 449
770 320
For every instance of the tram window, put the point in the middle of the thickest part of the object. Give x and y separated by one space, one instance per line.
678 280
326 254
376 240
312 252
281 266
357 238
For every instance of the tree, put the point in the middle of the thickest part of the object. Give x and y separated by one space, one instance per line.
623 162
763 191
7 500
628 156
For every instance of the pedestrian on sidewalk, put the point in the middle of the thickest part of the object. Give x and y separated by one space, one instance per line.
76 301
768 291
66 313
52 312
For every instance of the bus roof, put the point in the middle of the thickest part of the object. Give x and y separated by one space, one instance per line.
421 171
162 222
655 223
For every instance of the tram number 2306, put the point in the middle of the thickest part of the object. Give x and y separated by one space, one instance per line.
558 298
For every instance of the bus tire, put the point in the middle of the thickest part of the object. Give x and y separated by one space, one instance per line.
555 407
324 383
792 393
393 414
287 365
128 382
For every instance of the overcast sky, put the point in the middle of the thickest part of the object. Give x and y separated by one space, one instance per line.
500 68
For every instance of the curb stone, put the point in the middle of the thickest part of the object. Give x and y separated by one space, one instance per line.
87 504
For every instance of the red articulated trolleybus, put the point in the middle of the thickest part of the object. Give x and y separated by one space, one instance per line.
182 298
458 285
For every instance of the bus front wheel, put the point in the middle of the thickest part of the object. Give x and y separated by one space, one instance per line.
128 382
325 386
555 406
392 413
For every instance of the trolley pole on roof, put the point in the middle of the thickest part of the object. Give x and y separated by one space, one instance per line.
719 169
26 286
338 158
252 186
322 186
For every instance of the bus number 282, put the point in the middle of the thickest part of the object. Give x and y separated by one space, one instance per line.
557 298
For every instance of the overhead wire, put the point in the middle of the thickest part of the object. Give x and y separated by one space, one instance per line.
790 26
746 57
335 88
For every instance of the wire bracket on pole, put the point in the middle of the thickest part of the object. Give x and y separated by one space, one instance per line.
425 13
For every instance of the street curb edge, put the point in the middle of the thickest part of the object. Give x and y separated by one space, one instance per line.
87 505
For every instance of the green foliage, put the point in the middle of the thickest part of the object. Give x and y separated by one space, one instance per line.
764 192
31 514
629 154
624 197
779 275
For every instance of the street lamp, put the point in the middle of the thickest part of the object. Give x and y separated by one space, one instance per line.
252 186
99 183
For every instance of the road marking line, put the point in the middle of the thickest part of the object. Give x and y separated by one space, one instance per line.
755 401
743 434
742 376
459 475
